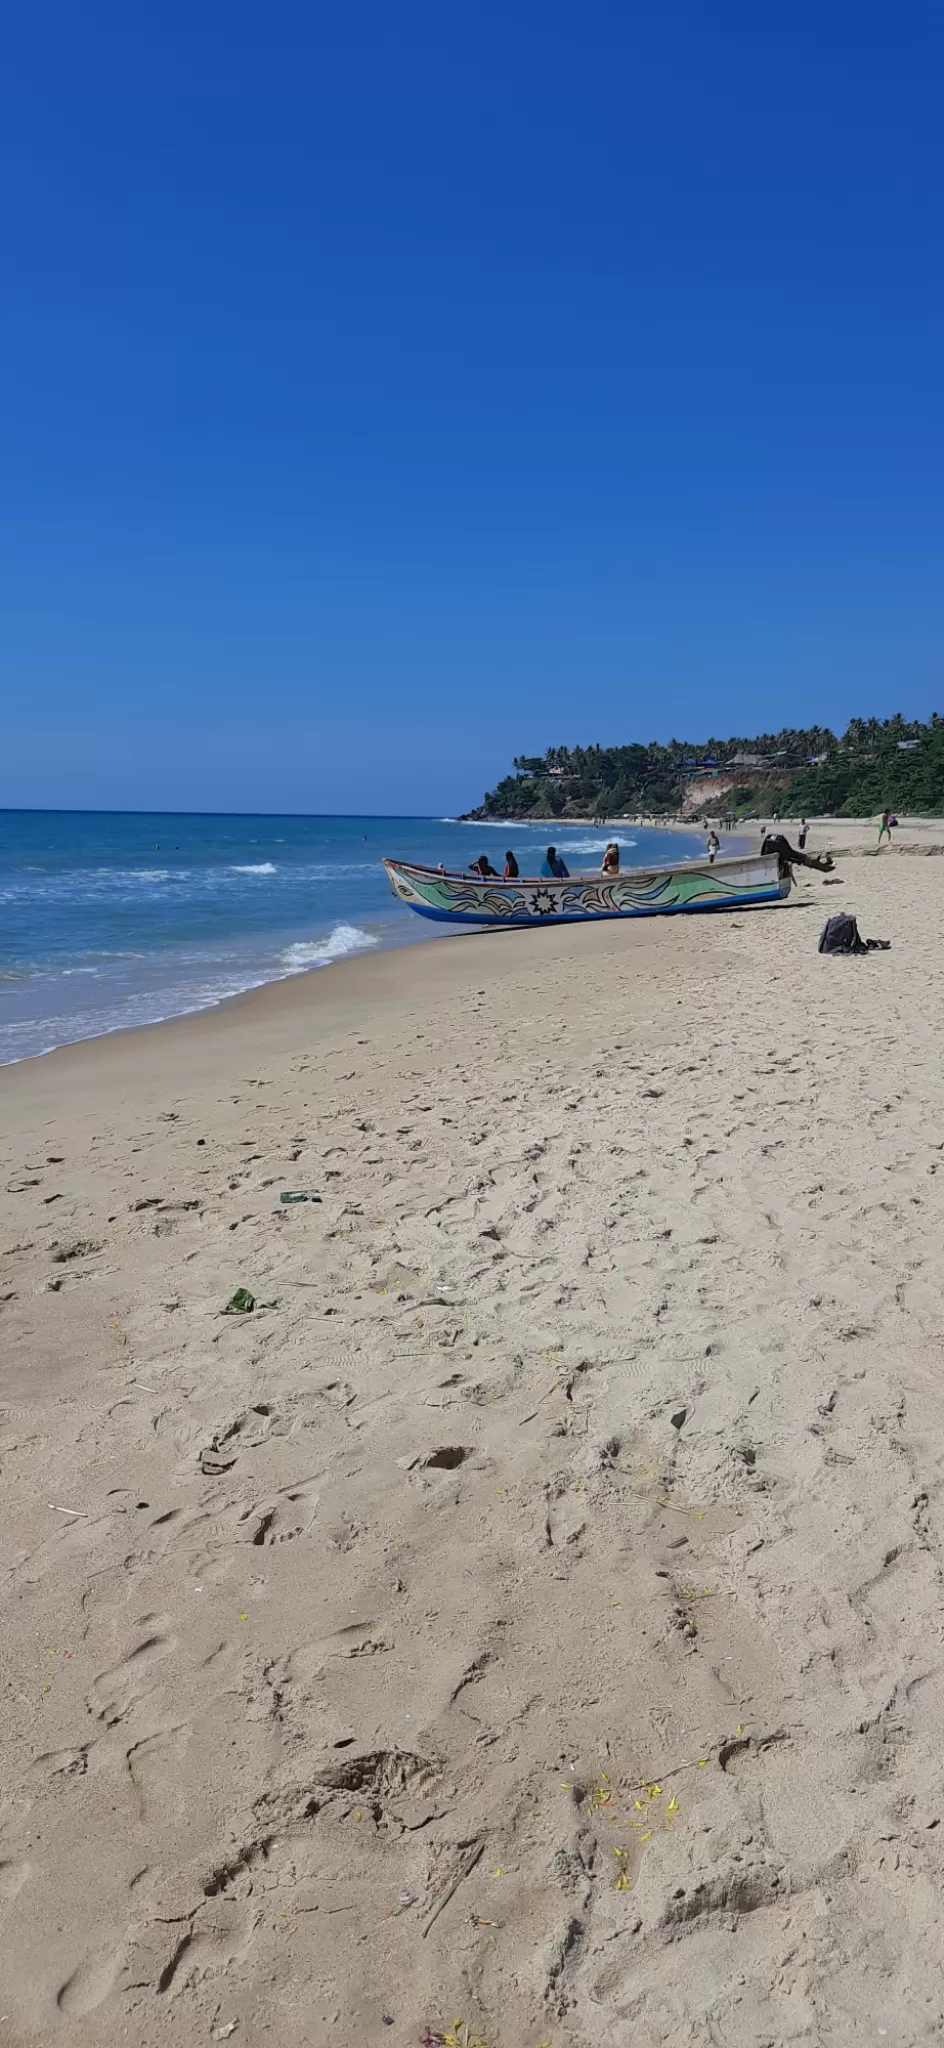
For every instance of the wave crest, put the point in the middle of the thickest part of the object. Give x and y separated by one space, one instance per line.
345 938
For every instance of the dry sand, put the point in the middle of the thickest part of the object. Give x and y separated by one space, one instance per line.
532 1612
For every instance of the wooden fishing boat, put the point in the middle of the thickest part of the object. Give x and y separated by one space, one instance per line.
728 884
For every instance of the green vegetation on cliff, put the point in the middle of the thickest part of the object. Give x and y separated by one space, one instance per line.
875 763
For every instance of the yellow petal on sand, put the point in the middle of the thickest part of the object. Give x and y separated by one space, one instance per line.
622 1882
646 1836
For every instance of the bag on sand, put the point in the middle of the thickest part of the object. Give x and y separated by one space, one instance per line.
842 935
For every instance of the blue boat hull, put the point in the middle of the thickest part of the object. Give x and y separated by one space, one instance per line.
584 917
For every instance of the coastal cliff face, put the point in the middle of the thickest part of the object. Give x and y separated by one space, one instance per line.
796 772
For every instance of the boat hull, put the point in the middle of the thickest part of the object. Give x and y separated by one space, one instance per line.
733 884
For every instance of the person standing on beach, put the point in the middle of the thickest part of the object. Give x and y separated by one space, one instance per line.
885 828
801 835
714 844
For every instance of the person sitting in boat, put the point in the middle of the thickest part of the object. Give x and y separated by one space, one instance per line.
483 867
611 859
511 868
553 866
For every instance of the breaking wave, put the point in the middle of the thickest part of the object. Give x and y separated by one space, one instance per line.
345 938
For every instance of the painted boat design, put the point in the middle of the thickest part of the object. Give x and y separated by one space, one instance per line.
728 884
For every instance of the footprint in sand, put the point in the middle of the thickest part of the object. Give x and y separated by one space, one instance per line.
90 1984
56 1763
565 1522
153 1767
165 1532
202 1952
115 1692
75 1537
246 1432
13 1877
289 1514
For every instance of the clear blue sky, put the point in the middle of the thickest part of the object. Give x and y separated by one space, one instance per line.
388 389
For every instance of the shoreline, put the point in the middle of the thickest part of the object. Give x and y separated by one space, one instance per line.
71 980
339 972
381 938
353 992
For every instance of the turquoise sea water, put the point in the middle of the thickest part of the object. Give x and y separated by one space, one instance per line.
112 919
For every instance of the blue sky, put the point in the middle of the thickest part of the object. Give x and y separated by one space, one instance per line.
388 390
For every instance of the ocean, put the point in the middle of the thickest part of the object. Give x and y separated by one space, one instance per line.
111 919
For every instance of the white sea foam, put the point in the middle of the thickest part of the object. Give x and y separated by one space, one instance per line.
589 845
550 831
264 867
154 1006
345 938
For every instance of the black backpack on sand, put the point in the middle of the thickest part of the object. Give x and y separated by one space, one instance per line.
841 935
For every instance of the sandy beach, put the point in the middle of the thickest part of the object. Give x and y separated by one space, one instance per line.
529 1614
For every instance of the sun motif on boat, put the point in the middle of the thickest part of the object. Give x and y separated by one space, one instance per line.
543 903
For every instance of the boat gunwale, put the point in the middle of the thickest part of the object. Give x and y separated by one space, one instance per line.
687 867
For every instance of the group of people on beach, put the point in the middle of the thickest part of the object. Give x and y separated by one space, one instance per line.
553 868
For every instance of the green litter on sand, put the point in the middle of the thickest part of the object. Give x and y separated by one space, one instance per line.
301 1195
242 1302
